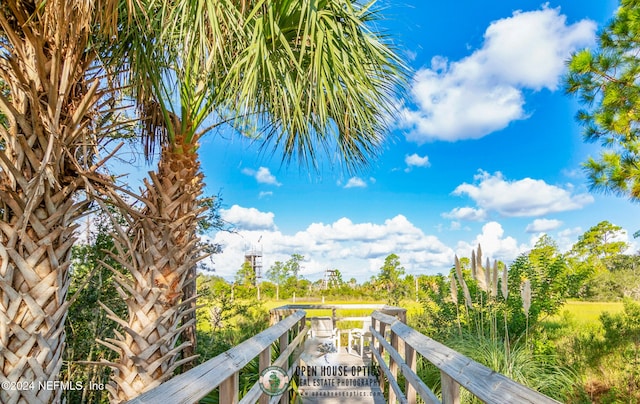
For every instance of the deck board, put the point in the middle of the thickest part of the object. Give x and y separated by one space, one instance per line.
337 377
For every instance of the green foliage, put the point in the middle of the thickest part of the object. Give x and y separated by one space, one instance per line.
541 372
550 279
606 82
286 275
91 284
599 241
606 352
390 280
224 321
246 275
599 270
479 310
335 87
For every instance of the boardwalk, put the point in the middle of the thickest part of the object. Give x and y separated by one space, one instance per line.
337 377
343 377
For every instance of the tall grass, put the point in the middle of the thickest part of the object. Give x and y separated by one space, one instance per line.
483 329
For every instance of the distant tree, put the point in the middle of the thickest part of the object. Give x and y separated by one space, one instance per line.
600 241
390 279
589 260
246 275
278 275
606 81
550 278
292 266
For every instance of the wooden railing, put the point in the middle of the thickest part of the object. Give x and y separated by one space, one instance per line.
394 348
223 371
286 310
392 336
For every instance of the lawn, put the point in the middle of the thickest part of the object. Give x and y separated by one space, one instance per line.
589 312
412 307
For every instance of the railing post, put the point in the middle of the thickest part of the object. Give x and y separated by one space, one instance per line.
284 342
264 361
372 345
410 359
302 324
450 389
383 327
229 389
393 367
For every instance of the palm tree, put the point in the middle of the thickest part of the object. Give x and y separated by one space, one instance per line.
52 105
303 75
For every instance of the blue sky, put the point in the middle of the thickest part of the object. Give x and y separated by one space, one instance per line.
485 150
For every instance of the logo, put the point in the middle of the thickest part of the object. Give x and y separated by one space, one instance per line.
274 381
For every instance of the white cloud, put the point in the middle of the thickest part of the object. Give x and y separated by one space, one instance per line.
415 160
265 194
494 244
357 249
567 237
248 218
355 182
466 213
263 176
543 225
526 197
483 92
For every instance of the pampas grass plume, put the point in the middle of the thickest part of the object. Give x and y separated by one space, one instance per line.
526 296
465 289
454 289
494 281
505 283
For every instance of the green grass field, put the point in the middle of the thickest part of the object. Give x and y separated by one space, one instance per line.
589 312
412 307
580 311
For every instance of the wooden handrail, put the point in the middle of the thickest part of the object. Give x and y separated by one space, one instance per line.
456 369
282 311
191 386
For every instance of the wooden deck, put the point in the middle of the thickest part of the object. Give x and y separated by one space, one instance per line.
337 377
342 377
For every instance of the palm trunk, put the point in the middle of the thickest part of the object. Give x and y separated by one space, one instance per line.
43 62
160 256
189 319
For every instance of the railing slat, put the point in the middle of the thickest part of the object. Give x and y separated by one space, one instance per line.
255 391
393 383
393 365
411 362
264 361
483 382
196 383
229 389
412 378
450 389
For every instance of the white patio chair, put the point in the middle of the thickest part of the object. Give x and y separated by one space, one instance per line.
359 335
324 330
